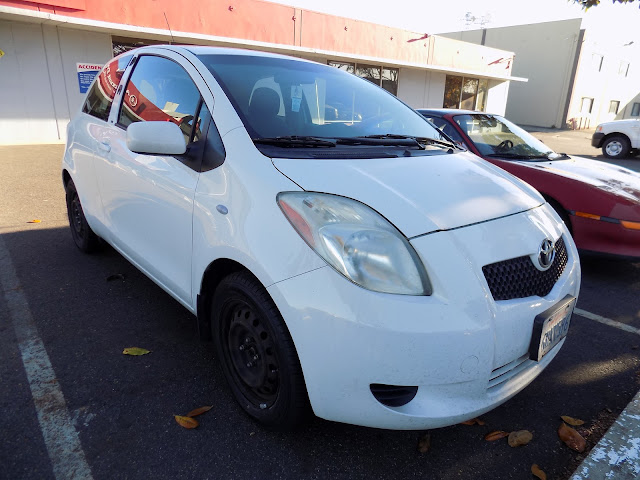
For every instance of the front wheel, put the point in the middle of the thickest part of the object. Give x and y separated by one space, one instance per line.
83 236
258 357
616 147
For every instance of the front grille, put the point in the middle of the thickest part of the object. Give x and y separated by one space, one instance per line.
519 278
507 372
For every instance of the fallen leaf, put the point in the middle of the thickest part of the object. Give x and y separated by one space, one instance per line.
575 422
199 411
473 421
424 444
186 422
519 438
35 220
115 276
496 435
135 351
571 438
535 469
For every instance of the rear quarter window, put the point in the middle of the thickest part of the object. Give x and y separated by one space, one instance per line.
100 97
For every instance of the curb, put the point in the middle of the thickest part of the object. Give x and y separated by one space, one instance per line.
617 454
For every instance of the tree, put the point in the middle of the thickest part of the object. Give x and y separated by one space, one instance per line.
586 4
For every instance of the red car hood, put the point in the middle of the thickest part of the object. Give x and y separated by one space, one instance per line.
610 178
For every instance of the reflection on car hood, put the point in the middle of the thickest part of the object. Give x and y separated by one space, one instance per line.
602 175
419 194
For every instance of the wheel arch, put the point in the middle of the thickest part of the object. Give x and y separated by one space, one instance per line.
66 176
215 272
614 134
560 210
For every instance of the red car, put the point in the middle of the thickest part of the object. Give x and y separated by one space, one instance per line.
599 202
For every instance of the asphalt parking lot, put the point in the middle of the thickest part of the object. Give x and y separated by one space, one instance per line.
86 309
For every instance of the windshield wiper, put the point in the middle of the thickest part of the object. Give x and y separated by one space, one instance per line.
293 141
517 156
383 140
390 139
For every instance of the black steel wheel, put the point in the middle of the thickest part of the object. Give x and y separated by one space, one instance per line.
83 236
257 353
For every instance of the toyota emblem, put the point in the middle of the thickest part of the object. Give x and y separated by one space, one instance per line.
547 254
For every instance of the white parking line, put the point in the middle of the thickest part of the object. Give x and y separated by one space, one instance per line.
606 321
60 438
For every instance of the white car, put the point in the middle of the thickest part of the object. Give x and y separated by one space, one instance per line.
618 139
354 263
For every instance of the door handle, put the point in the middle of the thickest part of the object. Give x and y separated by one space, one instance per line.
104 146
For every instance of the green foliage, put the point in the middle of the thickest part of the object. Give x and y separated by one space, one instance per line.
586 4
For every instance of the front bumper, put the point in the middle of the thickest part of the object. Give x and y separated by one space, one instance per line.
596 139
605 237
465 352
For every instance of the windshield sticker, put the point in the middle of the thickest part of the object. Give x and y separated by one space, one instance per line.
296 97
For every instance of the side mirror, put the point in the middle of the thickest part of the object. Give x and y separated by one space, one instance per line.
156 138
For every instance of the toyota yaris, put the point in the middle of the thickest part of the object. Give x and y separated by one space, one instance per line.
343 258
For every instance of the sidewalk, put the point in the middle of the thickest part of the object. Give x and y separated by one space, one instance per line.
617 454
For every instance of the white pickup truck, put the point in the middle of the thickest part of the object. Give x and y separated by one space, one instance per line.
618 139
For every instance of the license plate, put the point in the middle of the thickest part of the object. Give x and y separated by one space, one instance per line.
550 327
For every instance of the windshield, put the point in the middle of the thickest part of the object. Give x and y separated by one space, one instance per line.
497 137
279 97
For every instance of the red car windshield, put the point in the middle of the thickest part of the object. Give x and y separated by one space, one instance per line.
495 136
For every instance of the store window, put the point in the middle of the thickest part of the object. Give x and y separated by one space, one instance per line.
614 105
464 92
635 110
384 77
452 91
390 80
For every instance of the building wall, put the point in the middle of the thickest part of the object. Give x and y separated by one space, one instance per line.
420 88
43 43
497 97
544 53
603 81
38 82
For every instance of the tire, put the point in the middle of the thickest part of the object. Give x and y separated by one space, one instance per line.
616 146
83 236
257 354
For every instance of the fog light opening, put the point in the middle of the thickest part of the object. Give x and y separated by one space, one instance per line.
393 395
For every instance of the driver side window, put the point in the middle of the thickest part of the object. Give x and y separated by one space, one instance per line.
160 90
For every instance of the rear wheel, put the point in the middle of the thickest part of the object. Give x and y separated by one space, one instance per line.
257 354
616 146
83 236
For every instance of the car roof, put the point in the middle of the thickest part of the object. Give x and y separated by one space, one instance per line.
210 50
452 111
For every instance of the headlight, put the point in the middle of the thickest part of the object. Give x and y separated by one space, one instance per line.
356 241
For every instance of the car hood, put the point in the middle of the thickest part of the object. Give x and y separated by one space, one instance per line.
419 194
604 176
628 121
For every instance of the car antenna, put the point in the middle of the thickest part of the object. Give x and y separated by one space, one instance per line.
169 27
